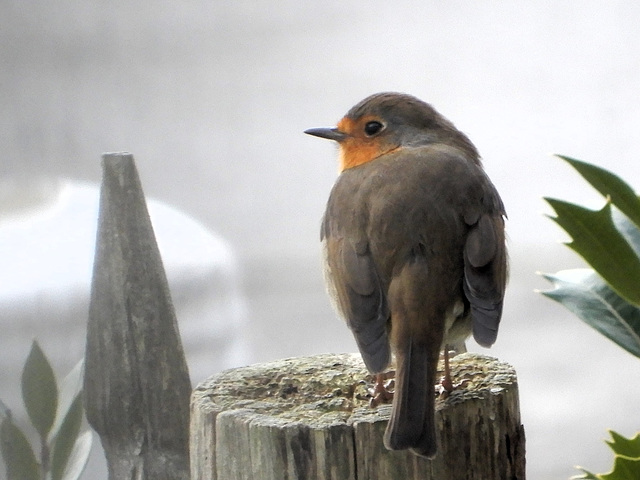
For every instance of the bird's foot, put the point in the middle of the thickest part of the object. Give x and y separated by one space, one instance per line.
382 390
446 384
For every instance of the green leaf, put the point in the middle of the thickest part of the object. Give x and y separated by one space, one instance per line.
79 456
627 229
626 464
66 438
624 468
39 390
584 293
627 447
70 387
609 185
17 453
600 243
586 475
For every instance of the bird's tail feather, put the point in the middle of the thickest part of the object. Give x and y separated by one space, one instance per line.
412 423
416 335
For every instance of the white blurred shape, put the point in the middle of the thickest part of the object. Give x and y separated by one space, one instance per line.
47 239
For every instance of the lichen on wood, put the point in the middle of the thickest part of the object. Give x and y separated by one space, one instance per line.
310 418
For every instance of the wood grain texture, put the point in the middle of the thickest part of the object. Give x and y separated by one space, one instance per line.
309 418
136 379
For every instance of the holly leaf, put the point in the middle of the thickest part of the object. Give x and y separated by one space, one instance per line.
628 447
585 293
586 475
609 185
596 238
626 464
624 468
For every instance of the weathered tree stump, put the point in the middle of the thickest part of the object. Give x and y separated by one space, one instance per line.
309 418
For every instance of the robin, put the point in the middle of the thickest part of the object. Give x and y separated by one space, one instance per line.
415 255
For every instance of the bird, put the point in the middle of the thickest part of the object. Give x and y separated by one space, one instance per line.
415 258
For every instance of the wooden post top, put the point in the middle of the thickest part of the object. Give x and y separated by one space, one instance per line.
320 405
316 388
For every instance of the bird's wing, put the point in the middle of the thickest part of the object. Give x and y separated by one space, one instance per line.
355 288
485 269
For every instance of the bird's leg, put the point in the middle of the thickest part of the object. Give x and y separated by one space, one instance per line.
380 392
447 384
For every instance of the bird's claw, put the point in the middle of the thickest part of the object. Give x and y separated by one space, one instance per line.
446 384
382 391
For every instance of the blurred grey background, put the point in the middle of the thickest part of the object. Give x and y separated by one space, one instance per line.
212 98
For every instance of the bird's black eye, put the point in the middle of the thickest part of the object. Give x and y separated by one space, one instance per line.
373 127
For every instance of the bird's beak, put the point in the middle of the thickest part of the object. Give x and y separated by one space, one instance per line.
331 133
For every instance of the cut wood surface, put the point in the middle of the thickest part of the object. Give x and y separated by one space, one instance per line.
309 418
